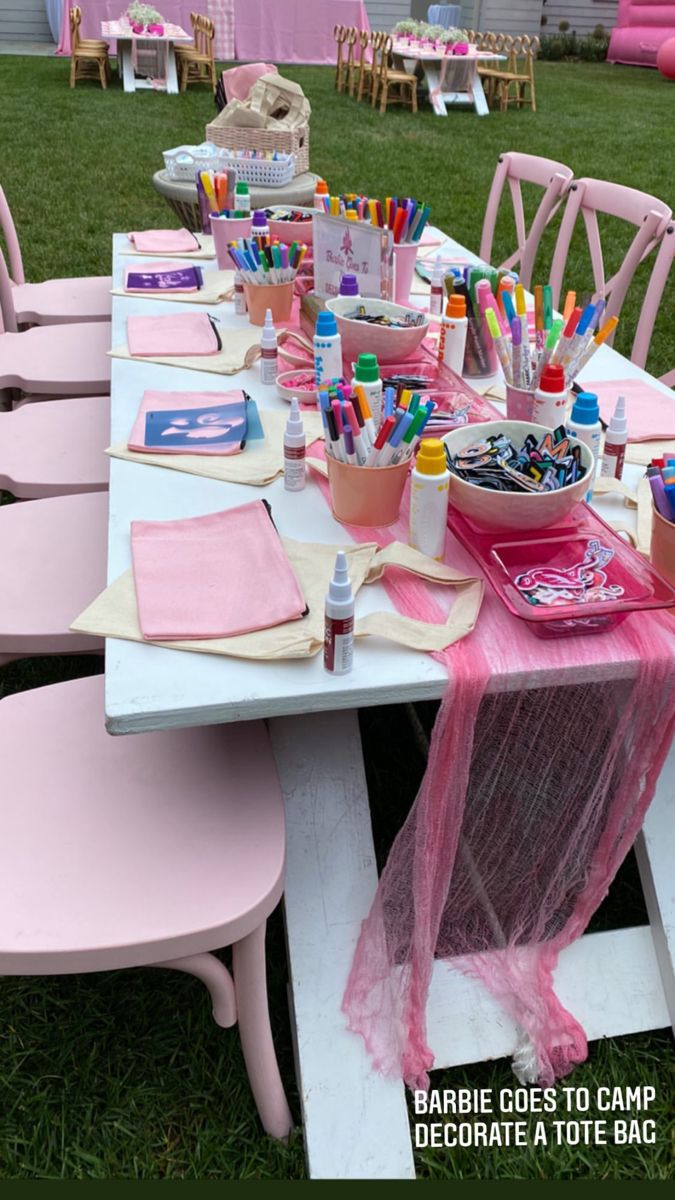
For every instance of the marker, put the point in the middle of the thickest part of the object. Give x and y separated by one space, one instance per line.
570 302
539 318
601 336
548 307
500 344
388 450
517 351
387 427
547 353
521 310
562 349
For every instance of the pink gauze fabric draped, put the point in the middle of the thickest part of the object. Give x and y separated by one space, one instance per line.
530 801
221 13
65 45
293 31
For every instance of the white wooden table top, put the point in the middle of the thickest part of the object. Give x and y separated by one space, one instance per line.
152 688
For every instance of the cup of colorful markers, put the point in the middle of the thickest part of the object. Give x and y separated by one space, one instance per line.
661 475
226 230
268 270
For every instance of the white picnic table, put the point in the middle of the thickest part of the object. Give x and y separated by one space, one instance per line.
452 79
128 45
618 982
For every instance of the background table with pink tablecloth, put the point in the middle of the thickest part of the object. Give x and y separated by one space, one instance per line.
279 31
293 31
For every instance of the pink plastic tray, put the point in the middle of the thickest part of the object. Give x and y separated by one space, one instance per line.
577 577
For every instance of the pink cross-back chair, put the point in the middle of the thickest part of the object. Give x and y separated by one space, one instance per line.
54 449
652 301
152 850
51 360
589 197
515 169
53 555
56 301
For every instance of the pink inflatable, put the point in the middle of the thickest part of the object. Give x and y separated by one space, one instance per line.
665 59
641 29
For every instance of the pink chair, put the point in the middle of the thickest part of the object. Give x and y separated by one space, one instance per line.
652 301
55 449
152 850
515 169
588 198
52 360
53 555
56 301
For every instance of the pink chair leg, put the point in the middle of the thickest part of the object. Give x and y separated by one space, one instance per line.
250 983
216 977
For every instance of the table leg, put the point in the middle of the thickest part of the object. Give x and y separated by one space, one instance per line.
171 73
128 74
655 853
355 1121
437 100
476 88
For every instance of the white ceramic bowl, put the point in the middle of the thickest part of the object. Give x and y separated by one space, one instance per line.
389 345
513 510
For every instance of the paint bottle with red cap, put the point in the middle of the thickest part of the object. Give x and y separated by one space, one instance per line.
550 398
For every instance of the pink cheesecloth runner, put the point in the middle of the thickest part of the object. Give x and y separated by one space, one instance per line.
530 801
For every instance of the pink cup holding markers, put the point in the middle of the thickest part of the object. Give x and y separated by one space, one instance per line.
405 257
366 495
226 230
662 551
276 296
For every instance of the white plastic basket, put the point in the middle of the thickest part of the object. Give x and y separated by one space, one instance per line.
183 161
263 172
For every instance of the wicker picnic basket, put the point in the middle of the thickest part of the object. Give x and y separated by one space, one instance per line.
285 141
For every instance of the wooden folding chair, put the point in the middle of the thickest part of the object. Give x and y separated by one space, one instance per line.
491 74
351 66
588 198
514 169
388 77
340 33
515 86
198 65
367 71
651 303
88 58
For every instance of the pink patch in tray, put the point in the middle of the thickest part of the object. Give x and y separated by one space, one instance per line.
578 577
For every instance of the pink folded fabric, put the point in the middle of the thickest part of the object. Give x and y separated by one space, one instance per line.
183 401
650 414
172 336
215 576
238 81
164 241
156 268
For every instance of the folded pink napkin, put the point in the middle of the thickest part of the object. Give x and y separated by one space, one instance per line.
153 269
174 335
164 241
650 413
215 576
177 402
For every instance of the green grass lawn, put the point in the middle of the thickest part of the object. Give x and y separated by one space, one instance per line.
125 1075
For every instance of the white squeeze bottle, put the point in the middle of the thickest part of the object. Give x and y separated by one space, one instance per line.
327 348
615 442
321 190
453 333
429 484
239 295
437 288
295 446
268 350
584 425
338 644
367 376
550 398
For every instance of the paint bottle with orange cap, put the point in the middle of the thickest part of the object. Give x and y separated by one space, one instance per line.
452 339
429 484
320 195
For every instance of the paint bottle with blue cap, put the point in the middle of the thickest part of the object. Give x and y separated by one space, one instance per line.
584 425
327 349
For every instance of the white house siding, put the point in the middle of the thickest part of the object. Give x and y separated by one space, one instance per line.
24 21
503 16
383 14
583 15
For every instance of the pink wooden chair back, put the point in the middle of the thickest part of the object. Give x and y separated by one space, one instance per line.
11 240
515 169
8 322
652 301
588 198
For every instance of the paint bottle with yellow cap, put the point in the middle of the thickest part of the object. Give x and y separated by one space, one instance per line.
429 483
